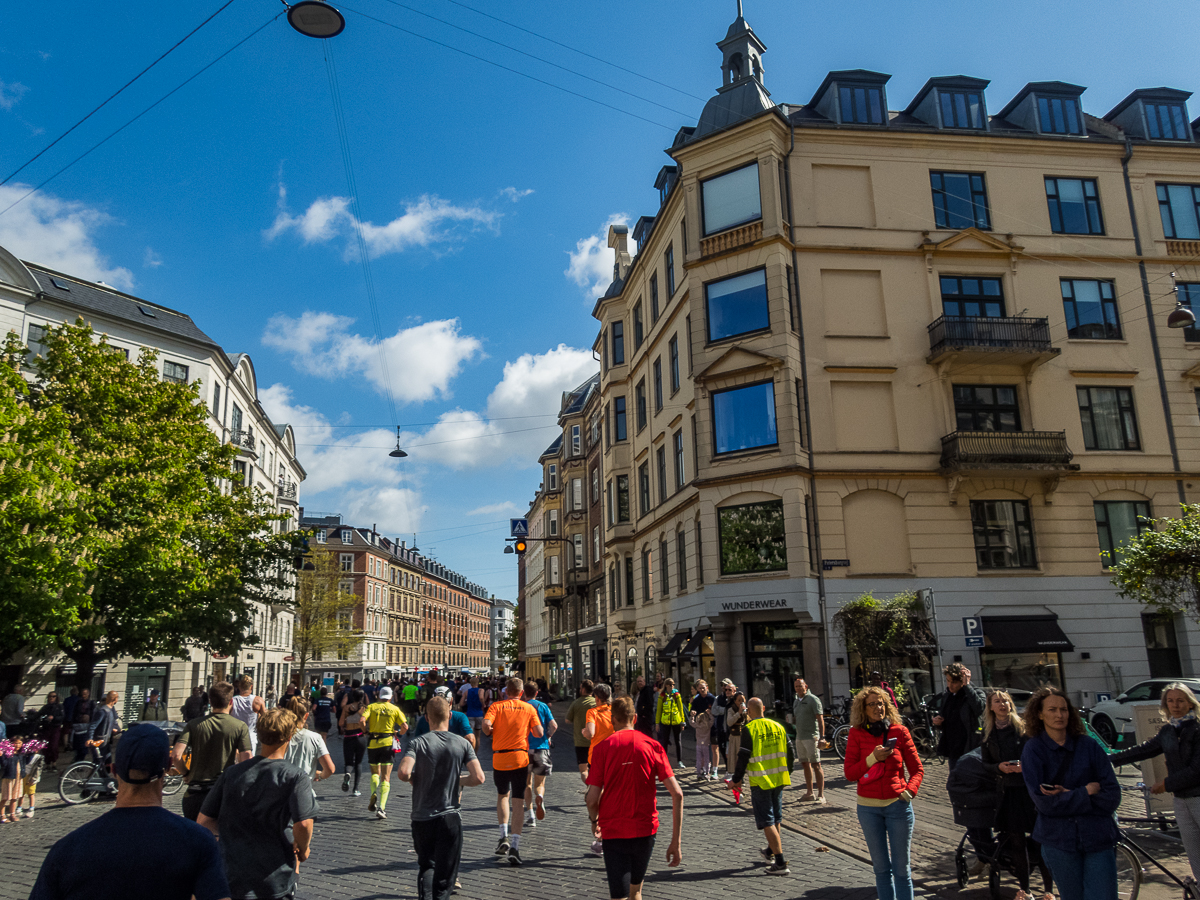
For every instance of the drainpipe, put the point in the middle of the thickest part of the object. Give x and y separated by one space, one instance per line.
1150 321
815 537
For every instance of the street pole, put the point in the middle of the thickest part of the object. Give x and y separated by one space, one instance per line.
930 604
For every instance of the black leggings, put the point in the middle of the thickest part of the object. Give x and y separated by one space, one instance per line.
667 732
626 861
354 748
1025 853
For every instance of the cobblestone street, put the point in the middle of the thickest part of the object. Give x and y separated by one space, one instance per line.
357 857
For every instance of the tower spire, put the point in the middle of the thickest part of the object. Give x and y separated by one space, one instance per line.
739 3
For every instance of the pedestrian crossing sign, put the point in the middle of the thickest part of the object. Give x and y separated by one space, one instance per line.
518 527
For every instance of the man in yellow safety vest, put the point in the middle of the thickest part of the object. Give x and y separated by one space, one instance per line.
763 757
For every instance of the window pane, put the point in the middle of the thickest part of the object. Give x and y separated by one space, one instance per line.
744 418
959 200
731 199
1072 117
1044 114
847 106
876 99
1003 536
1090 310
1183 211
753 538
1070 202
737 305
947 110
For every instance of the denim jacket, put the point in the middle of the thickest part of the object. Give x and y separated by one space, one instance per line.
1074 822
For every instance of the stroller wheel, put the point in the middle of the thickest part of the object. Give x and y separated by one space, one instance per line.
994 880
960 867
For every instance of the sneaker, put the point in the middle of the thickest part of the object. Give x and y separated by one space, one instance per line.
346 782
598 847
29 813
778 869
371 803
820 798
514 857
809 798
503 847
357 794
539 806
679 764
767 855
977 868
380 814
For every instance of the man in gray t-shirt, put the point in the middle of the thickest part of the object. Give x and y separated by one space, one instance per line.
434 764
809 718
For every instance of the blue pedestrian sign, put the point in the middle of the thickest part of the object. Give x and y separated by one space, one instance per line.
975 641
518 527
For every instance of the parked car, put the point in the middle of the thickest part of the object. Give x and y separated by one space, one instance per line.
1113 718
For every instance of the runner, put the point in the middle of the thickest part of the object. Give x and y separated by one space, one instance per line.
322 713
622 804
763 755
217 741
597 729
384 721
476 705
435 764
510 722
540 763
354 738
408 699
577 717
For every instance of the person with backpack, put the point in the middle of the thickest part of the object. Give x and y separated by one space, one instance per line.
670 715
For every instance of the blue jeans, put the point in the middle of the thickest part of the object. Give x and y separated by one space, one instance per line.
1083 876
884 825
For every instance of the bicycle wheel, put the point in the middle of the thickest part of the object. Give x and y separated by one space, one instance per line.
920 736
841 737
172 784
1129 873
73 784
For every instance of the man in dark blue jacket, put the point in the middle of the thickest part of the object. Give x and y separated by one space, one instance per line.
104 726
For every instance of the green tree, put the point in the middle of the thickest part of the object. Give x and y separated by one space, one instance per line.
1160 568
324 613
509 646
884 632
170 549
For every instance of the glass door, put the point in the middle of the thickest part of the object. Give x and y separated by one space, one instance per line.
774 659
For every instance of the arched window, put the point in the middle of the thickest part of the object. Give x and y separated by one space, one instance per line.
735 67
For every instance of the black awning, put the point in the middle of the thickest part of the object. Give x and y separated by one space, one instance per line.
696 641
1025 634
673 645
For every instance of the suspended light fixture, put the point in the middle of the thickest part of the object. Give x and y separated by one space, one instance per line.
1181 316
315 19
398 453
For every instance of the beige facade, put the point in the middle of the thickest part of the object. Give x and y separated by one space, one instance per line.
984 394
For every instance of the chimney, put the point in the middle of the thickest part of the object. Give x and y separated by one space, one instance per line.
618 240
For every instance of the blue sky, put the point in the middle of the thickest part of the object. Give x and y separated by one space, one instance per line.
483 195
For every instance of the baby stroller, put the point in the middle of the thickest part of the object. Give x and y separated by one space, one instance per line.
975 796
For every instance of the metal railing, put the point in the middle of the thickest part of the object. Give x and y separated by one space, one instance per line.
243 439
287 490
1006 448
955 332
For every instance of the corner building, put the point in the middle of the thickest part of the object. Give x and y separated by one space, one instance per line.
861 349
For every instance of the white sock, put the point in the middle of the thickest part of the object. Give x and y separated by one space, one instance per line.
504 831
514 839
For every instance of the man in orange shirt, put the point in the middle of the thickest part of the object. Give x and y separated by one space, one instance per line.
510 722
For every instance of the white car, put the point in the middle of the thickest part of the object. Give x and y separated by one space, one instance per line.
1113 717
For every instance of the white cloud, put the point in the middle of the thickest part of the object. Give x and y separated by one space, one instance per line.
150 259
521 414
11 93
59 234
495 509
514 195
427 221
421 361
591 262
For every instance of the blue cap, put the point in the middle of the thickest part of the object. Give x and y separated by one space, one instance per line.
142 748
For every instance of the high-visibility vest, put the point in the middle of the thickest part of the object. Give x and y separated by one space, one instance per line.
768 766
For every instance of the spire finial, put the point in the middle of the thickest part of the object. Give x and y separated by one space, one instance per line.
739 3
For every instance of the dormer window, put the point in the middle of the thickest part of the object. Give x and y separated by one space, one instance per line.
852 97
954 101
1154 114
961 109
1059 115
1167 121
863 105
1047 107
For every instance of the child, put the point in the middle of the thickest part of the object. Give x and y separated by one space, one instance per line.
703 723
10 779
35 764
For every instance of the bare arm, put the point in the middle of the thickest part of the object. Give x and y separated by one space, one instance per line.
674 851
244 755
177 754
553 728
471 740
209 823
593 805
487 727
535 727
327 769
589 730
404 773
474 774
302 832
259 706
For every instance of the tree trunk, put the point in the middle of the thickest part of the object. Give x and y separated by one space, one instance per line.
85 657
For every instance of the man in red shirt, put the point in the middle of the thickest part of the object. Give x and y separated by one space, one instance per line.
621 802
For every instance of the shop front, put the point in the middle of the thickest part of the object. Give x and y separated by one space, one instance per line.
774 659
1021 654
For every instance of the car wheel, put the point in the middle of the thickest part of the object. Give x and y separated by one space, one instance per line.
1105 728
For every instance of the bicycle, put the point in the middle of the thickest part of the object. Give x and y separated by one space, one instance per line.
84 781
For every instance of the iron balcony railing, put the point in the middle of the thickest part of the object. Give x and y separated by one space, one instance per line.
243 439
1006 448
981 332
287 490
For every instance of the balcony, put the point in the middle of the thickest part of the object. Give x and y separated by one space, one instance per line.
286 491
998 451
731 239
1190 249
624 617
243 440
982 339
554 594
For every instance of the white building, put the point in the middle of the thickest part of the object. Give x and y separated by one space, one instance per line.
34 298
504 620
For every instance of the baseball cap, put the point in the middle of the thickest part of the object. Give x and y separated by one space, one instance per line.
725 682
442 691
143 748
385 693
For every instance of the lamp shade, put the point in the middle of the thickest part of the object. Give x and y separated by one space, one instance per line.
1181 317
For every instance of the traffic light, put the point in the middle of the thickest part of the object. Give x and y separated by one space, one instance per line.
519 546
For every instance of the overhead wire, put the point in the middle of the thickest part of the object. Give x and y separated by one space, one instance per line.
116 93
164 97
474 437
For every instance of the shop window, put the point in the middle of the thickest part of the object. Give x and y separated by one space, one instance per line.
752 538
1020 672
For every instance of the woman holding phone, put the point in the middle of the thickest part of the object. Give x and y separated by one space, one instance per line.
1003 740
1073 786
878 752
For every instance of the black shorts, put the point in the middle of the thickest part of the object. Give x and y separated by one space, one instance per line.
581 755
626 861
380 756
514 780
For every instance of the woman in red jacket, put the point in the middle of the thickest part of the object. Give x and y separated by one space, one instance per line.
884 795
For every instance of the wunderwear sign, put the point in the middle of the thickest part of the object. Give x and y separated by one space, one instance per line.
750 605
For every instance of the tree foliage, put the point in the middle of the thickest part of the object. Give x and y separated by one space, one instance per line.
168 550
509 646
885 631
753 538
1160 568
324 624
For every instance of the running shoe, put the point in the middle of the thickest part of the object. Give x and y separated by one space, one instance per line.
767 855
346 782
778 869
357 794
539 806
514 857
29 813
380 814
503 847
371 803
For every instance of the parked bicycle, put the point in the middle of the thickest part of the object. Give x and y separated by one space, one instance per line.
88 779
1130 872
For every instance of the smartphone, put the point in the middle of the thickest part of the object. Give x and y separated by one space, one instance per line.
1014 762
1046 787
890 744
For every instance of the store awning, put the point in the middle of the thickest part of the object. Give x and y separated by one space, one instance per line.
673 645
1025 634
696 641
